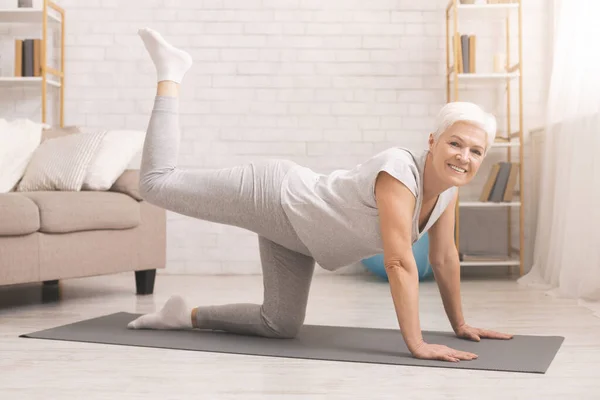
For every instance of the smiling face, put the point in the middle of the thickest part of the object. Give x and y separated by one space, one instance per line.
458 153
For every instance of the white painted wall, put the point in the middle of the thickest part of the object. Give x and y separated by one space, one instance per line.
324 83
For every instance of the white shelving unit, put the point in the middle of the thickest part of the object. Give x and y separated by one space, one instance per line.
7 80
488 77
487 11
53 16
456 12
514 143
28 16
483 263
488 204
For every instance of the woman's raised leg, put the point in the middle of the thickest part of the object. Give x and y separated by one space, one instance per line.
246 196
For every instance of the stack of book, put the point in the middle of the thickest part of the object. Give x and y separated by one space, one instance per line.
28 57
466 53
500 185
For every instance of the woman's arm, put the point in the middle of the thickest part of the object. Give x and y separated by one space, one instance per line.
445 262
396 205
443 256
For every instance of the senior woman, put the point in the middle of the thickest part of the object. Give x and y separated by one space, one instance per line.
301 217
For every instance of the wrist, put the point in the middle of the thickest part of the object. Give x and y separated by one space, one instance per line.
414 345
457 325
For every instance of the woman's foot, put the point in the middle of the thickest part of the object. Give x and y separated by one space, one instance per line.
174 315
171 63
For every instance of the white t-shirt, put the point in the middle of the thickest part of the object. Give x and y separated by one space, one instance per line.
336 215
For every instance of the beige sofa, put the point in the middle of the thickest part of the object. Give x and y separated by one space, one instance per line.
53 235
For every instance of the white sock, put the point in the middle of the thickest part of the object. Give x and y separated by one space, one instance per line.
171 63
174 315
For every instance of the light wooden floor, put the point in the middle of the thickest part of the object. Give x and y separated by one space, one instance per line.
35 369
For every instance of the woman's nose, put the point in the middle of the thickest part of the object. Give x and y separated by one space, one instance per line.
464 155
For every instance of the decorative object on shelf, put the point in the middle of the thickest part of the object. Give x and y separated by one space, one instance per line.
25 3
499 62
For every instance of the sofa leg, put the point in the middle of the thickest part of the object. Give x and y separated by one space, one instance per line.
144 281
50 291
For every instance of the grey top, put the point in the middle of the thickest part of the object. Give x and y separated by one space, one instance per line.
336 215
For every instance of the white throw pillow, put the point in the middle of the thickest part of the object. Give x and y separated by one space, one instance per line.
18 140
61 163
114 155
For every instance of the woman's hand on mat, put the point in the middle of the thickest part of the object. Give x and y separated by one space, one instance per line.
428 351
476 334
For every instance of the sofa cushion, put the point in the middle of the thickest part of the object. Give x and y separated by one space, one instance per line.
19 139
62 212
61 163
19 215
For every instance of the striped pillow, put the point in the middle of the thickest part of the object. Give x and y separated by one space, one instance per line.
61 163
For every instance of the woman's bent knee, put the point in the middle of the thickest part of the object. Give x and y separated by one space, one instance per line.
283 327
151 184
285 332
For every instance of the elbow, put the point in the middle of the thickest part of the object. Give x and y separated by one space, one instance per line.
404 263
392 265
401 273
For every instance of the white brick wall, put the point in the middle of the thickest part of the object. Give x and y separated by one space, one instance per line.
324 83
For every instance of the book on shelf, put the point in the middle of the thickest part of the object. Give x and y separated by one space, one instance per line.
28 54
466 48
500 185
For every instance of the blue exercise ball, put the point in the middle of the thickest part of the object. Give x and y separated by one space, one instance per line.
420 252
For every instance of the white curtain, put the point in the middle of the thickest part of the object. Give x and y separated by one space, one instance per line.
567 246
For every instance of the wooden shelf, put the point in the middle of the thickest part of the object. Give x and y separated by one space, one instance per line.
4 81
509 261
48 17
477 11
476 204
26 16
484 77
489 75
512 143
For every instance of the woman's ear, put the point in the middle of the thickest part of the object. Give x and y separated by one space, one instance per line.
431 141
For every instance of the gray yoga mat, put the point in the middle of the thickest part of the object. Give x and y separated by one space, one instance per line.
335 343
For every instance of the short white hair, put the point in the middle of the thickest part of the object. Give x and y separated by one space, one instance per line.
467 112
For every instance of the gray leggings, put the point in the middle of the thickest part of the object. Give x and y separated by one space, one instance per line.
246 196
